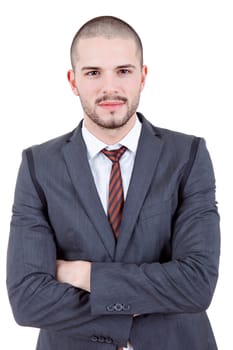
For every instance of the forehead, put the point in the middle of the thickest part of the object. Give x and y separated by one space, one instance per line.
100 51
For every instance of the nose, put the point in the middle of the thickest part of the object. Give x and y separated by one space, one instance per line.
109 84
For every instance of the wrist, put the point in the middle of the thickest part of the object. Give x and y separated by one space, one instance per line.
81 276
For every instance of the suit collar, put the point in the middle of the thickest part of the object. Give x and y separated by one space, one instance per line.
147 157
75 155
94 145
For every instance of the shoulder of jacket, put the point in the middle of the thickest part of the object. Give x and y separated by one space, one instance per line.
51 146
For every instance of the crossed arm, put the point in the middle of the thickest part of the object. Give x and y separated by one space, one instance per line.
77 273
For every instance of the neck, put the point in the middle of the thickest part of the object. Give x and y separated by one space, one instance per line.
110 136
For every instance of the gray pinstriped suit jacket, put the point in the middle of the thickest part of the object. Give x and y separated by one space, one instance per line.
164 266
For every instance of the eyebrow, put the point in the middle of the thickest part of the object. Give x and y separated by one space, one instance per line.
126 66
90 68
118 67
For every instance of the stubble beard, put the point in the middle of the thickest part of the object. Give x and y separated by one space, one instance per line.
111 121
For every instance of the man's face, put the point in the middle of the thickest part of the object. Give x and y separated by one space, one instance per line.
108 78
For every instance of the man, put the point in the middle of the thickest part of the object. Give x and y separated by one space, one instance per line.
115 232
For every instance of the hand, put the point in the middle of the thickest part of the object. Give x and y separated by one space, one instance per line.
77 273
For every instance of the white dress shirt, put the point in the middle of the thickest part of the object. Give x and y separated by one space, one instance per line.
101 165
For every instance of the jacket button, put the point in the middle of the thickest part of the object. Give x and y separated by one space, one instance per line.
94 338
118 307
126 307
110 308
109 340
101 339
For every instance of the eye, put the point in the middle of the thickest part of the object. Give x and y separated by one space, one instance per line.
92 73
124 71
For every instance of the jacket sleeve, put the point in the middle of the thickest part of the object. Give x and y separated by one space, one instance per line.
184 284
36 297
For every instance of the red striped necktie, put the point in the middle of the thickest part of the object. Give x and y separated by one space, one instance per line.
116 193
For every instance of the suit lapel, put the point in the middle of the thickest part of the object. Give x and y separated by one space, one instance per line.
75 155
147 157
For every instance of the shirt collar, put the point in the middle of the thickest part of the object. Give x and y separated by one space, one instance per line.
94 145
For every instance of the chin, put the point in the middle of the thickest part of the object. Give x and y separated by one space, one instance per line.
113 123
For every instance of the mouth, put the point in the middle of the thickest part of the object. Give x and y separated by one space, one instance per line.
113 105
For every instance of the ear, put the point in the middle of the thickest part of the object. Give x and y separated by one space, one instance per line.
144 74
71 79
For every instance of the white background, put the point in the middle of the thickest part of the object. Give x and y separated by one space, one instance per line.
189 52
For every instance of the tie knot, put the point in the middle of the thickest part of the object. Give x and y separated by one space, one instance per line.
115 154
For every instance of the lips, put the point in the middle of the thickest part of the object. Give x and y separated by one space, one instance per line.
111 103
111 99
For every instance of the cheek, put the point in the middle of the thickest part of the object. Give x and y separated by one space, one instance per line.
136 82
87 90
135 88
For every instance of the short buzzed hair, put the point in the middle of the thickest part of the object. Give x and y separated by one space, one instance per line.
106 26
